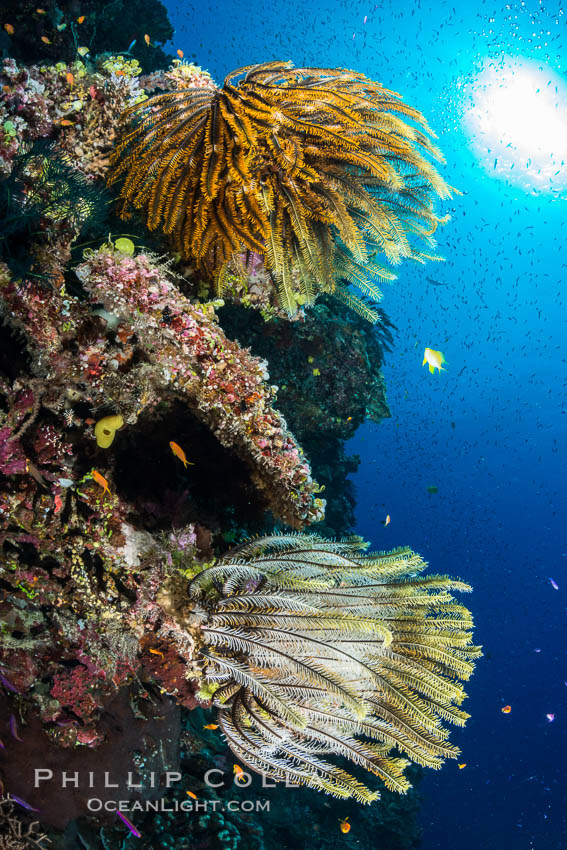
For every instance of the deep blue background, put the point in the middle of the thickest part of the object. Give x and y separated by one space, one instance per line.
498 519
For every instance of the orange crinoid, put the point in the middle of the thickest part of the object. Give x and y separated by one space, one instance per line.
317 170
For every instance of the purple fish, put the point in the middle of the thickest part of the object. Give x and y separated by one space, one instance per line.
8 685
130 826
22 803
554 584
14 728
550 718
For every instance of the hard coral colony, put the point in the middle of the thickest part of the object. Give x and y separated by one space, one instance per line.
272 191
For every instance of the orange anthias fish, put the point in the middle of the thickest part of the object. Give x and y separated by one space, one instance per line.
66 123
211 726
70 78
239 773
435 359
344 825
178 452
388 520
192 795
180 54
156 652
147 39
80 19
100 480
9 29
45 39
506 709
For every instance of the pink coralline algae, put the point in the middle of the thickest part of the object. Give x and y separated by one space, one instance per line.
74 689
24 110
12 457
224 385
87 605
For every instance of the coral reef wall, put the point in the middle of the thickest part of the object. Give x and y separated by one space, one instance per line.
149 419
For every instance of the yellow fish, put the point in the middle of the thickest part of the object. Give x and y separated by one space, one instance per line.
434 358
178 452
460 766
211 726
192 795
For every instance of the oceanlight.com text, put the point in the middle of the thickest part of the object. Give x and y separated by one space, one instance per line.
94 804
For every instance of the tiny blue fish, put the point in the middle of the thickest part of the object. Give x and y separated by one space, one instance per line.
14 728
130 826
22 803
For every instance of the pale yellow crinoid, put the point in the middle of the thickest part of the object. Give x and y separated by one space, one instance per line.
321 649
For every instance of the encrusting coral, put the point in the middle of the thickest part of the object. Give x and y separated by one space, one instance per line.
83 101
312 169
317 648
224 385
151 343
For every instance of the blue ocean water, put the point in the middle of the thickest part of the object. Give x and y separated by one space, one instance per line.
489 431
